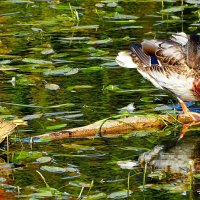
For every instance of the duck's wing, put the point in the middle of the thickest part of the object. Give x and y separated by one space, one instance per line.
168 52
180 38
193 51
147 65
146 52
143 57
190 46
159 53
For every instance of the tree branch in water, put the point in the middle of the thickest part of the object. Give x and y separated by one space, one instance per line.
113 126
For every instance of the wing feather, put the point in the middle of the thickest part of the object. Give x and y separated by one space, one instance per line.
144 58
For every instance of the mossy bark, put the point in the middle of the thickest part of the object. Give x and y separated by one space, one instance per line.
118 126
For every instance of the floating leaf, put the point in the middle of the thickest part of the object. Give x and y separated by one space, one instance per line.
139 149
61 71
85 27
106 41
110 64
55 127
192 1
12 13
128 164
130 27
168 21
47 51
5 62
75 38
112 88
25 80
52 86
31 117
173 9
172 188
123 21
37 30
118 16
111 4
62 105
27 155
95 196
8 68
78 87
119 195
78 147
79 184
192 28
19 122
162 108
24 105
58 169
60 55
44 159
99 5
54 169
34 61
92 69
148 99
22 1
72 116
97 52
6 186
49 192
195 24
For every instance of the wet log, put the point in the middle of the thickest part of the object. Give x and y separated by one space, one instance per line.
117 126
8 127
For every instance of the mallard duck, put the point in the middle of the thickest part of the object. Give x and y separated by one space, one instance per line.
172 64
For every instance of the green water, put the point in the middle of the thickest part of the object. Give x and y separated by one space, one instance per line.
73 44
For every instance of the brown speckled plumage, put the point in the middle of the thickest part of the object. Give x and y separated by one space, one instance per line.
172 64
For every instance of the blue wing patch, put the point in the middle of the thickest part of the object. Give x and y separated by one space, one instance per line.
154 60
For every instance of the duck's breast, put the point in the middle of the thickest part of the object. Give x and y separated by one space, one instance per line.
196 88
179 84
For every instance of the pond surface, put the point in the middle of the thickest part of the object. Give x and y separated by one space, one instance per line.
58 71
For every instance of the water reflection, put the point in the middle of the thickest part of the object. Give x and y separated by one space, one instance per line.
187 127
178 160
177 157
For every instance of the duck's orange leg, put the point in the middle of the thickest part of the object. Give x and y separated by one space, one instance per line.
195 116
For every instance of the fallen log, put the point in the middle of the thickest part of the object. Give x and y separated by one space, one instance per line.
6 128
117 126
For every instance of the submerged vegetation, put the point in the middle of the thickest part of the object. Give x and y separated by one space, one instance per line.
58 71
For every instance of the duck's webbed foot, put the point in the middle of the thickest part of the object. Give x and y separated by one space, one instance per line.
195 116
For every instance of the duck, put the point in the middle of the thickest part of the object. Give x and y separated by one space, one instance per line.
169 64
